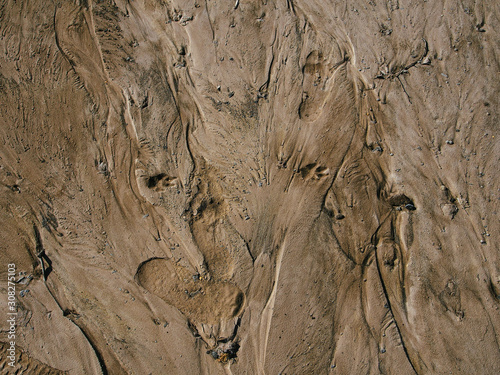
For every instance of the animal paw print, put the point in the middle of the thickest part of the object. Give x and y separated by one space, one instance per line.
160 182
314 172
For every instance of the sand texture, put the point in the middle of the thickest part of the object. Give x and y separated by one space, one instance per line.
251 186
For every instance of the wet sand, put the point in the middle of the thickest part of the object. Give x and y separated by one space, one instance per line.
250 187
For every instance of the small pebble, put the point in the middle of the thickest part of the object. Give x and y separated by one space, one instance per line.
410 207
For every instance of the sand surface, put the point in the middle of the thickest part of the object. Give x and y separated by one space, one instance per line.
251 186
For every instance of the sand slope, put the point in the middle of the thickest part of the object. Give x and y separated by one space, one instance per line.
251 187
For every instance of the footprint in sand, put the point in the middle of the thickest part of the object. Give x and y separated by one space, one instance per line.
203 301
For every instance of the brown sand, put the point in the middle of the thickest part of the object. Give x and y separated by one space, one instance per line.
251 187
